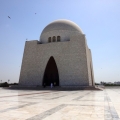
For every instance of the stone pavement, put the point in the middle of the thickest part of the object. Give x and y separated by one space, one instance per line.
60 105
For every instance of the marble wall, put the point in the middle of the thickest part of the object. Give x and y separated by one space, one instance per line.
71 58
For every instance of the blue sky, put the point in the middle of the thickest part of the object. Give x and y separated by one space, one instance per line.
98 19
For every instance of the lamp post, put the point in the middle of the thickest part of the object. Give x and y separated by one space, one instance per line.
8 80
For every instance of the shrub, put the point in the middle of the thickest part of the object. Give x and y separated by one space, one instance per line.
5 84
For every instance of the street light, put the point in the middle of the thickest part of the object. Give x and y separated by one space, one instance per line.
8 81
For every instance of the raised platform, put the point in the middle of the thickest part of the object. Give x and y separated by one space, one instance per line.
59 88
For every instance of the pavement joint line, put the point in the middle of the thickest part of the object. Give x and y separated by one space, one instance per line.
77 99
23 94
109 110
17 107
47 113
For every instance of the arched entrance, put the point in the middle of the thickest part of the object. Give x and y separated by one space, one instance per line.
51 73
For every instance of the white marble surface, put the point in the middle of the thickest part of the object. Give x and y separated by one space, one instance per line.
60 105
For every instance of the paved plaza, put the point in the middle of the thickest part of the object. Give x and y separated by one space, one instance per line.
60 105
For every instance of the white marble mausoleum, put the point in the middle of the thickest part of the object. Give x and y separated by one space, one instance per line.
61 56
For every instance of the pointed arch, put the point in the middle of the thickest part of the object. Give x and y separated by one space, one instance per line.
49 39
58 38
51 73
54 39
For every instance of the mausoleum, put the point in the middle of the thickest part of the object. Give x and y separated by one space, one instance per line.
61 56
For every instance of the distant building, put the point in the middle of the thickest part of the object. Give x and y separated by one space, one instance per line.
61 56
109 83
117 83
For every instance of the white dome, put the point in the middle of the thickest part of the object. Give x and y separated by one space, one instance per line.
62 28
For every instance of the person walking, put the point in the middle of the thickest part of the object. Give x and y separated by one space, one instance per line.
51 85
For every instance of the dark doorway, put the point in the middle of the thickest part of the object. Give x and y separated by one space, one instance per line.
51 73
